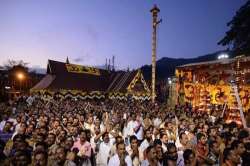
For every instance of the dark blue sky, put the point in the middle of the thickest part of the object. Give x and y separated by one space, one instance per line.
88 31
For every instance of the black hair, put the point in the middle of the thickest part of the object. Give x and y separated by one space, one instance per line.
199 136
226 153
132 137
243 134
211 144
171 145
181 134
119 143
149 148
21 136
105 133
186 154
157 142
235 144
162 134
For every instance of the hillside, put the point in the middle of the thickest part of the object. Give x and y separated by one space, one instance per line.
165 67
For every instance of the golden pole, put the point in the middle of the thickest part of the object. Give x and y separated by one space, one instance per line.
155 10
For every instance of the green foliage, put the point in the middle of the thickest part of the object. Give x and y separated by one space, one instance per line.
238 37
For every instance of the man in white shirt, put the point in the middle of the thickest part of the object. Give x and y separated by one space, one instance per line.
147 140
132 124
138 128
104 150
120 158
181 145
134 151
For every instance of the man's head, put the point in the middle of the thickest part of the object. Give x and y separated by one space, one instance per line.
51 139
29 129
214 147
69 142
164 138
212 132
201 138
183 139
60 155
120 148
83 136
40 138
41 147
133 142
40 158
189 157
157 144
133 116
64 121
172 152
21 158
119 139
238 147
151 153
244 136
105 137
97 129
148 134
231 156
7 127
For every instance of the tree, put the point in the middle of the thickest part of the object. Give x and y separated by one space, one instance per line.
12 63
18 74
238 37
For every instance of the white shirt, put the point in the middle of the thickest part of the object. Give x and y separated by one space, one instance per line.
180 159
139 134
2 124
114 161
130 127
144 145
130 152
157 122
103 154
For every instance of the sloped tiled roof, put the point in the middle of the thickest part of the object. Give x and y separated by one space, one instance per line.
76 81
58 78
121 81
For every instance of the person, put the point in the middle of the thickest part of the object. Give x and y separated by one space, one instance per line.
239 148
82 145
171 155
230 157
213 157
147 141
51 143
164 140
181 146
113 149
151 157
21 158
40 158
120 158
104 150
133 151
246 155
189 157
7 132
202 148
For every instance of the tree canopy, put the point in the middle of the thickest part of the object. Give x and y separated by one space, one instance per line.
238 37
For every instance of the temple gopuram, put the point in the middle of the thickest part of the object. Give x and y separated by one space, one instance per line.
209 84
81 82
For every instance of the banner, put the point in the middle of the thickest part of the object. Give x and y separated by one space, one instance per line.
82 69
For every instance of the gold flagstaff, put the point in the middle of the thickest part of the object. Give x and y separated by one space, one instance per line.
155 10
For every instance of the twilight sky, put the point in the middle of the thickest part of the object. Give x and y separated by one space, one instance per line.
88 31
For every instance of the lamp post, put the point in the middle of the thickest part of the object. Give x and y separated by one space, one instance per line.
20 77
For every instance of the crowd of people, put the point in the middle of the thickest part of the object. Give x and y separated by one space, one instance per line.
71 132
